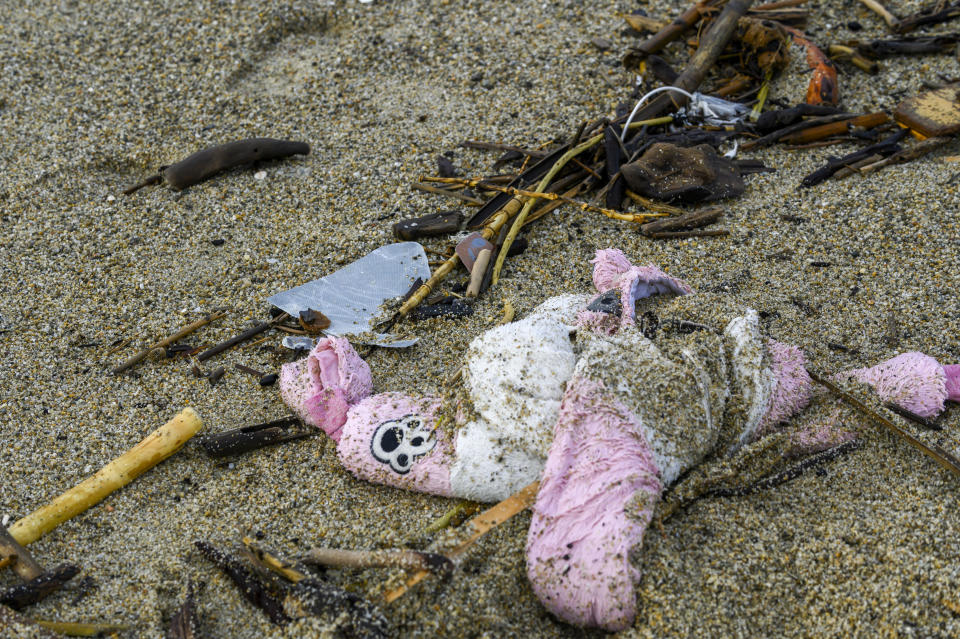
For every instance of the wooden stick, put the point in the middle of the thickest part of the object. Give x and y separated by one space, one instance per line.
480 525
685 222
156 447
167 341
775 136
932 451
10 619
812 134
493 146
672 31
247 334
851 55
881 11
460 196
23 563
912 153
406 559
81 629
711 44
183 332
509 209
476 273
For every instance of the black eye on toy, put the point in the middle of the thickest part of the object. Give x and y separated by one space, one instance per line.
399 443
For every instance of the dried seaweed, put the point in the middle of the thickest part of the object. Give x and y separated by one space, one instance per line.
251 587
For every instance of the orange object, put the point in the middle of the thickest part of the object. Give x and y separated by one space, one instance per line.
823 87
815 133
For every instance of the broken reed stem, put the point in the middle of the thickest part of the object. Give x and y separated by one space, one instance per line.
490 229
464 507
881 11
183 332
557 166
81 629
460 196
583 206
934 451
404 558
242 337
156 447
23 563
283 568
647 203
481 524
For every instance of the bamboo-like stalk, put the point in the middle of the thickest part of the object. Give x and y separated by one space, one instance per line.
183 332
156 447
556 197
23 563
481 524
80 629
509 209
558 165
882 11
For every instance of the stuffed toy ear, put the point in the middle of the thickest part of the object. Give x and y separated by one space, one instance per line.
321 388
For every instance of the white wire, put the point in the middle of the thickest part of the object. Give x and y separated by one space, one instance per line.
623 134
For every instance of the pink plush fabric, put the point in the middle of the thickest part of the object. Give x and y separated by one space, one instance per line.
599 468
608 266
321 388
793 389
612 269
914 381
952 383
392 439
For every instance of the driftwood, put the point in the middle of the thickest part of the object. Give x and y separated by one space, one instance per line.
247 334
364 619
927 17
208 162
886 147
711 44
25 594
933 451
406 559
428 226
183 332
812 134
685 222
21 561
156 447
479 526
851 55
666 35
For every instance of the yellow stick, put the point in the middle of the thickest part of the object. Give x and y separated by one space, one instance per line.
156 447
559 164
490 518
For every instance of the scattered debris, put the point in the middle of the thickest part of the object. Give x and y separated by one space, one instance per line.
183 332
352 297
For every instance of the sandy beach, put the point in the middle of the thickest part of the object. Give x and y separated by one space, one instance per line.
95 97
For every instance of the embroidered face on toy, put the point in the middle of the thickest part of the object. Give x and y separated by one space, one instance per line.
400 442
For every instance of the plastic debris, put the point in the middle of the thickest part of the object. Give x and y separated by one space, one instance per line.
352 298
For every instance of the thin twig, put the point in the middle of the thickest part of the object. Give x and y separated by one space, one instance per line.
933 451
183 332
460 196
